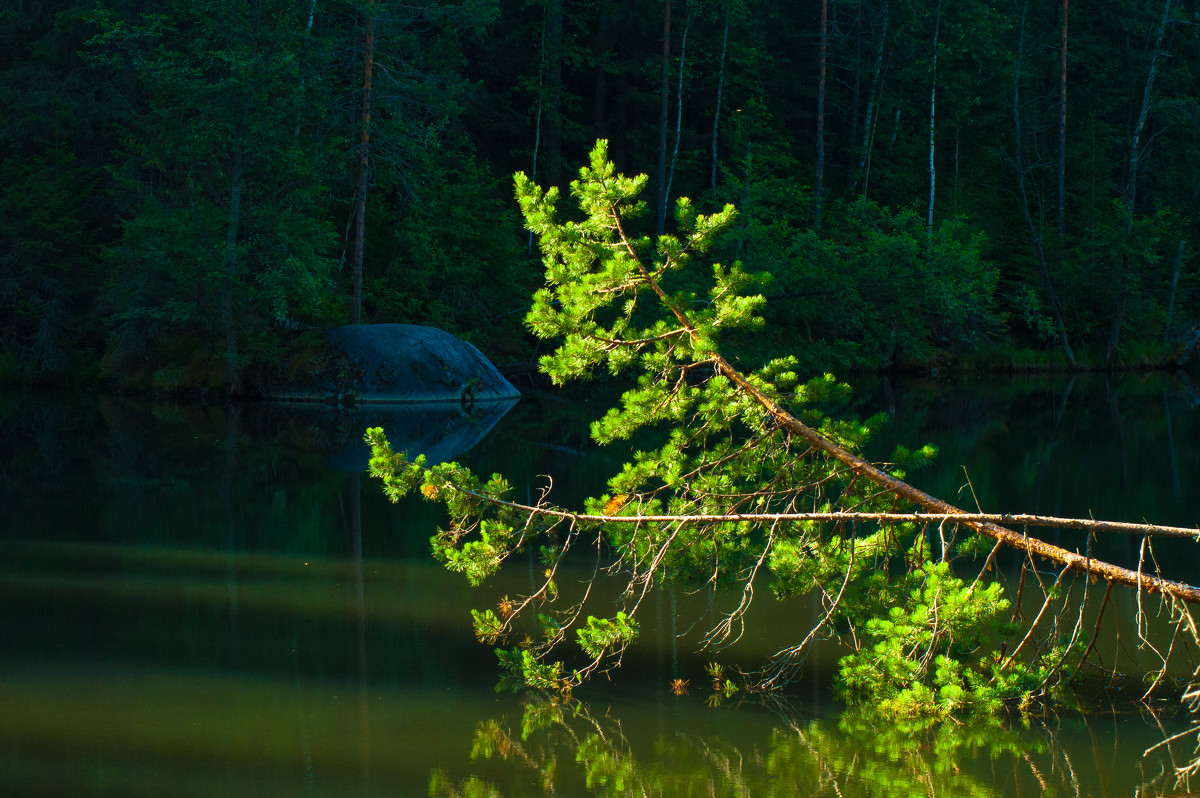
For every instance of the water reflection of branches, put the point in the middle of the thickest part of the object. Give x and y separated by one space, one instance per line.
858 754
1185 772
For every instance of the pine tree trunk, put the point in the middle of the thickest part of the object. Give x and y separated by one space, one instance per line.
364 163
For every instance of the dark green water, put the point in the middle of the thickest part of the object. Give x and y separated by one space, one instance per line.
199 602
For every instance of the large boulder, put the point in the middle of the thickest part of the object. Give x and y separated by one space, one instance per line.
397 363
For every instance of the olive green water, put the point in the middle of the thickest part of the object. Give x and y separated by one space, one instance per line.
204 602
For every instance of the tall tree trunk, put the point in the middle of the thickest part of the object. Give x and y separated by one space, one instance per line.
746 206
1129 195
937 26
552 124
823 37
869 123
230 262
541 99
661 209
1023 199
720 88
1061 204
364 164
687 26
1179 250
896 118
856 87
312 13
229 259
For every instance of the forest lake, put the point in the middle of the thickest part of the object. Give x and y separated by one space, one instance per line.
204 601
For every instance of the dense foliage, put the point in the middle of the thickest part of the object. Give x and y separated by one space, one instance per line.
182 181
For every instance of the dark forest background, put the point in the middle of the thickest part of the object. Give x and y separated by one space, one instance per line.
191 189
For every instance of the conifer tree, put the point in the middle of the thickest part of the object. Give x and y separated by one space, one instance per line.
750 483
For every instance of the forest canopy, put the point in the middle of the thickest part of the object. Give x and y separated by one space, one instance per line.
190 187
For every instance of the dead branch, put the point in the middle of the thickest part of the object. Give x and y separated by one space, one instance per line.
987 524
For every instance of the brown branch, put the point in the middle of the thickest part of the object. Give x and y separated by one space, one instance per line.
1096 630
934 506
966 519
901 489
984 523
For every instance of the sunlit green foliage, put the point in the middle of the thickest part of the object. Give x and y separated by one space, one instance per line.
923 640
934 649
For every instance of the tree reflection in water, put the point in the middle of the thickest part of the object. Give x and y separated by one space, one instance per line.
561 748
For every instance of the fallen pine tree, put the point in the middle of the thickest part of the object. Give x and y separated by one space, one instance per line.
752 484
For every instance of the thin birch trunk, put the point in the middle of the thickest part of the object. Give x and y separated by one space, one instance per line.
552 125
537 128
746 206
720 89
856 88
937 26
229 264
896 118
1062 132
687 26
869 123
1174 286
1129 196
312 13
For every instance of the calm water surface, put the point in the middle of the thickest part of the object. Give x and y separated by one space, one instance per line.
204 602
